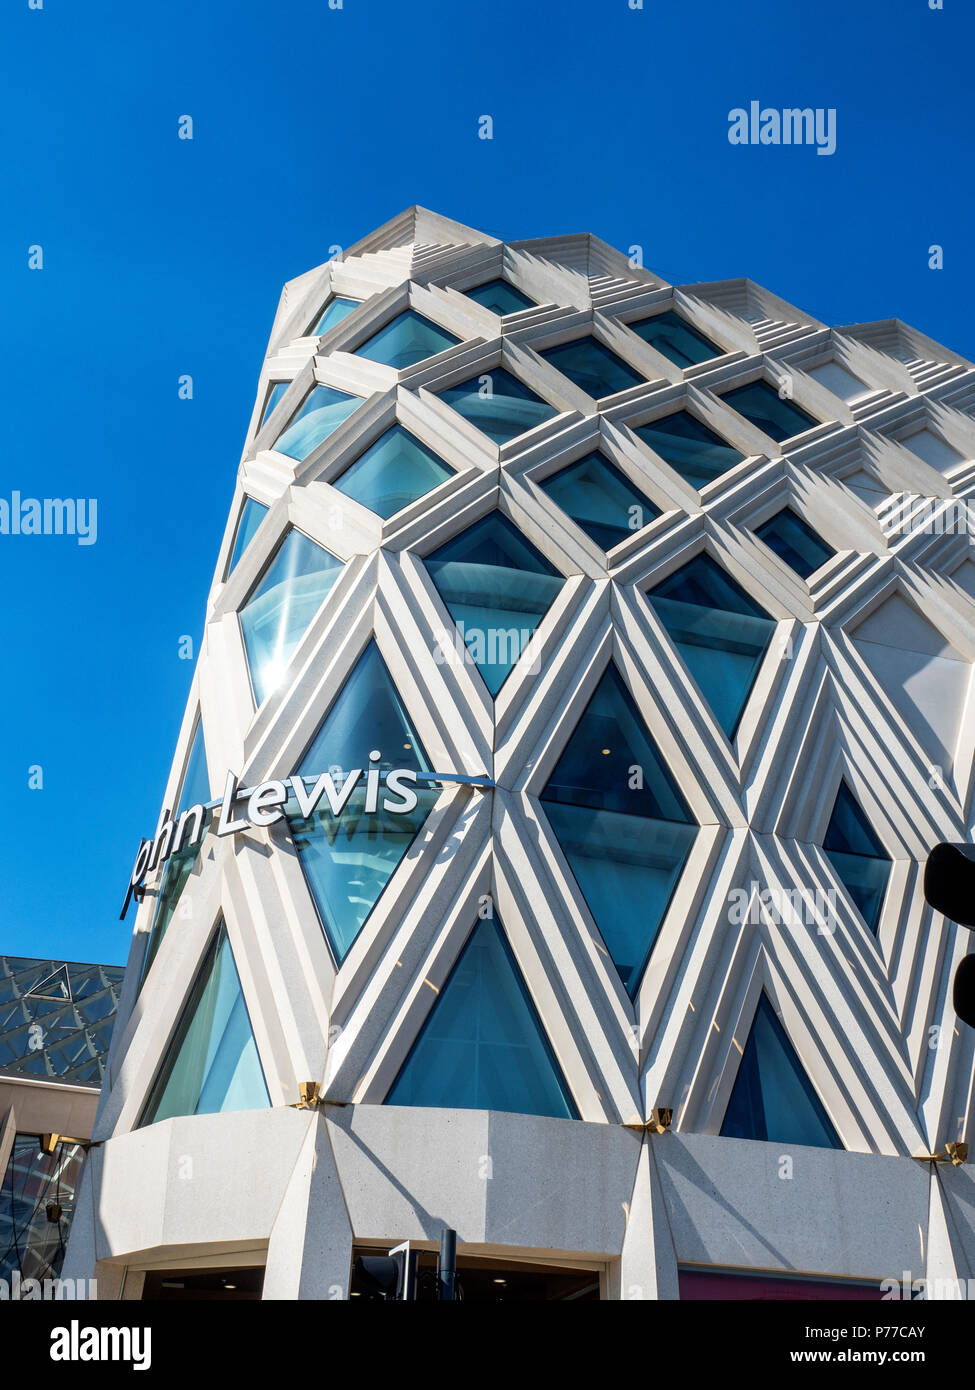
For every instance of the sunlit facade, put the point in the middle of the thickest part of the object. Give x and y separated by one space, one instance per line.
597 719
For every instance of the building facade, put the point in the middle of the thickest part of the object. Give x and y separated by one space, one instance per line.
586 678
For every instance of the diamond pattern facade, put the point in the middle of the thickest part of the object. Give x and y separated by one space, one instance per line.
867 1013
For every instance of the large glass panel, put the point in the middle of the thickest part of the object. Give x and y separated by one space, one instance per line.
773 1098
323 411
36 1187
482 1046
276 616
593 367
497 588
600 499
276 392
395 471
56 1018
408 339
862 864
499 405
500 297
794 542
194 791
348 859
334 312
211 1065
673 336
720 631
252 515
622 823
692 450
764 407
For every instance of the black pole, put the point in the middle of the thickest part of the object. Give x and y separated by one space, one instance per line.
447 1271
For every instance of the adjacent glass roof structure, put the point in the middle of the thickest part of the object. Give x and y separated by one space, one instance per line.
56 1018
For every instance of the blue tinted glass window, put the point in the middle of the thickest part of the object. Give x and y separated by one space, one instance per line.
675 338
692 450
251 516
719 630
622 824
276 616
322 412
395 471
500 297
862 864
277 390
212 1065
795 542
496 587
482 1046
773 1098
499 404
408 339
349 858
766 409
334 312
593 367
600 499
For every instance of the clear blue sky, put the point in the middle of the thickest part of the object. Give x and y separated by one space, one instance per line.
313 126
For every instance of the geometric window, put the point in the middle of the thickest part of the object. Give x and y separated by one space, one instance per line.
600 499
498 404
622 824
322 411
277 390
673 336
794 542
251 516
773 1098
194 791
932 449
500 297
693 451
779 419
406 340
719 630
211 1065
334 312
838 380
862 864
497 588
593 367
393 472
482 1045
349 858
281 607
56 1018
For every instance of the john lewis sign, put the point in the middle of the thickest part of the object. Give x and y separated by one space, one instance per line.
263 805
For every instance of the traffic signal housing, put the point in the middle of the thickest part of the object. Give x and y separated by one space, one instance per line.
949 886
